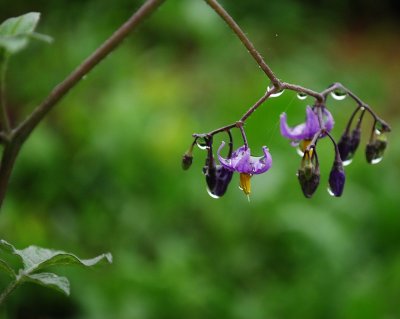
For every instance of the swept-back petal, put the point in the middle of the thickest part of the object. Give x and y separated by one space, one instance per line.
328 119
302 131
242 162
306 130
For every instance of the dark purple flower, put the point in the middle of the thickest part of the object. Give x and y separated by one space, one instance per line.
306 130
348 145
217 178
337 179
241 161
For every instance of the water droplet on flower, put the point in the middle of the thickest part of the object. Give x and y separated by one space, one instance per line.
377 160
276 94
347 162
339 95
301 96
299 151
330 192
211 194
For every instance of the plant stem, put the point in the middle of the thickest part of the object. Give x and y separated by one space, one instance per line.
4 115
22 132
279 85
340 86
9 289
245 40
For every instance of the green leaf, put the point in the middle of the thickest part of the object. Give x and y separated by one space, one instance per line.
35 258
50 280
7 268
16 32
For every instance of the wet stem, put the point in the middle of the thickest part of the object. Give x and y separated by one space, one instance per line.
278 85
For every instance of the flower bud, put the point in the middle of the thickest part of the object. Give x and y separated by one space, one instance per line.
187 160
217 176
337 179
376 148
217 179
308 173
348 145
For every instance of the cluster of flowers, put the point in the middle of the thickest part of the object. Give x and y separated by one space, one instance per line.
318 124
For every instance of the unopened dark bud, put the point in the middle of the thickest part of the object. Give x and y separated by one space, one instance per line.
344 147
187 161
348 145
376 146
308 173
309 183
337 179
217 179
355 140
375 150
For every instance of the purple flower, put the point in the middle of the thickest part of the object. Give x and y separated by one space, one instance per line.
307 130
242 162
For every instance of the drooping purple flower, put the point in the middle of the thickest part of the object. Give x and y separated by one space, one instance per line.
306 130
217 178
241 161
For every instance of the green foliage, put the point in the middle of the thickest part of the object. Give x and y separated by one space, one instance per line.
105 165
7 268
36 258
16 32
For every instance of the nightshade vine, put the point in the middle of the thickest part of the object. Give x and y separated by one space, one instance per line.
318 124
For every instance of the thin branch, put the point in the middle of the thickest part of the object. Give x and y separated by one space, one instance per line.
245 40
24 129
4 115
297 88
339 86
22 132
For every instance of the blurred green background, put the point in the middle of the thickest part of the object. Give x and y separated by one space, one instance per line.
102 172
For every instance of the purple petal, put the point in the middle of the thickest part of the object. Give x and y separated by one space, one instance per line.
303 131
328 119
261 164
242 162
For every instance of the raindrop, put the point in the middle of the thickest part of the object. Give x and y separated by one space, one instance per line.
201 143
376 160
301 96
330 192
347 162
276 94
211 194
299 151
339 95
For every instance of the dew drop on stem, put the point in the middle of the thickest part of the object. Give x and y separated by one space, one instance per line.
339 95
301 96
276 94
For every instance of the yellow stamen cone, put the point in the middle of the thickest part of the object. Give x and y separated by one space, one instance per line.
245 184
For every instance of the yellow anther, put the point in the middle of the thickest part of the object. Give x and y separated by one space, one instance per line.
245 184
304 144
